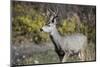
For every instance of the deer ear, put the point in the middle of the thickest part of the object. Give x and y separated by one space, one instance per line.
54 20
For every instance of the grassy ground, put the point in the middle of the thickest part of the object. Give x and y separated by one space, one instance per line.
49 56
39 58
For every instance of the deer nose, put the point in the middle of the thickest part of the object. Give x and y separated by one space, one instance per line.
41 29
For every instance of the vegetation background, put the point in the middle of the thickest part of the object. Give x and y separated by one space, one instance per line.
31 46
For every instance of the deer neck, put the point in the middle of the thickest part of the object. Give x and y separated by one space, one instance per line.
56 39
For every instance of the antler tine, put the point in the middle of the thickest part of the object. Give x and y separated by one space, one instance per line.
47 13
51 11
57 12
54 13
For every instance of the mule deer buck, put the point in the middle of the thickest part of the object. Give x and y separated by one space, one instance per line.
66 46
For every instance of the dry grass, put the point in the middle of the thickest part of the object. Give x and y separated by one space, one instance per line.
90 52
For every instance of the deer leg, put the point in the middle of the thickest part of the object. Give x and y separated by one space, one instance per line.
67 54
60 54
60 58
81 56
65 58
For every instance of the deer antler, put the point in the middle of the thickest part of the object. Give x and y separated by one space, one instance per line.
53 15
